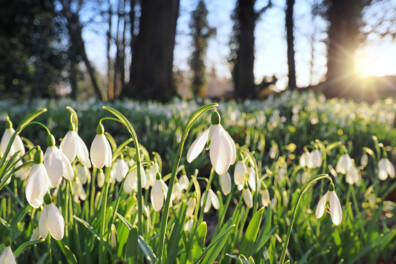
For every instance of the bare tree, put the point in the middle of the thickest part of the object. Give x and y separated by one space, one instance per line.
290 44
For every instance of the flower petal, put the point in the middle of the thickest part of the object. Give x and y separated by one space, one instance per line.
36 185
335 208
43 223
215 199
82 152
247 197
69 145
197 146
98 151
56 223
321 206
54 166
232 144
68 172
157 196
220 154
225 183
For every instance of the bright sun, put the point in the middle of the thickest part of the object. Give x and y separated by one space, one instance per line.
375 62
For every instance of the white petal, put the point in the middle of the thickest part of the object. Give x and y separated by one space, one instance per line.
53 165
208 203
121 169
252 179
56 224
188 225
18 145
335 208
215 200
127 184
239 173
83 173
43 223
100 179
164 188
109 154
82 152
321 206
247 197
232 144
157 196
184 182
68 172
225 183
7 257
390 169
143 178
98 151
36 185
69 145
220 151
197 146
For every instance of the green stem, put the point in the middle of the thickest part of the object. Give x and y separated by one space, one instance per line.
49 250
102 251
255 194
164 219
290 227
92 193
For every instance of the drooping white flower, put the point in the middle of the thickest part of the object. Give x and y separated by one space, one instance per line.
225 183
7 257
353 176
315 159
192 201
17 144
211 200
364 160
57 165
252 178
247 197
385 169
83 173
188 225
157 195
305 157
335 207
37 183
222 149
273 152
184 182
176 192
51 221
265 197
73 146
23 173
35 234
239 174
119 170
344 164
100 179
151 175
78 190
131 182
101 154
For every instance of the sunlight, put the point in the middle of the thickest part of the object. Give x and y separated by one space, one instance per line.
374 63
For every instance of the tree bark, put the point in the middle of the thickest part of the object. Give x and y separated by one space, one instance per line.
152 64
244 65
290 44
110 87
343 40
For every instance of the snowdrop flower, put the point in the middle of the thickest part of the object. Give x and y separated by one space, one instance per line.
100 179
222 149
225 183
35 234
17 144
247 197
51 221
364 160
315 159
119 170
78 191
7 257
191 206
184 182
158 195
101 154
23 173
252 178
151 175
335 206
73 146
188 225
265 197
344 164
56 164
211 200
239 174
37 183
113 238
353 176
130 183
272 152
176 192
305 157
385 169
83 173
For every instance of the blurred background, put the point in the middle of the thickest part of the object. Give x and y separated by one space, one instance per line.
159 49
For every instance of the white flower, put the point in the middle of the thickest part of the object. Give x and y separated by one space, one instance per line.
344 164
188 225
113 238
83 173
364 160
222 149
225 183
184 182
211 200
51 220
73 146
119 170
247 197
353 176
265 197
157 195
78 190
57 165
239 174
23 173
37 185
252 178
335 207
7 257
176 192
17 145
272 152
101 154
316 159
191 207
151 176
385 169
100 179
130 183
35 234
304 159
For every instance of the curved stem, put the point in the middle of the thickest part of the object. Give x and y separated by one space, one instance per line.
165 213
40 124
289 229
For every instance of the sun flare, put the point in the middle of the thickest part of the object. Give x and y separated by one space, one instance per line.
369 63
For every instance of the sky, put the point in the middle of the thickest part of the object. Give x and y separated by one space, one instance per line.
377 57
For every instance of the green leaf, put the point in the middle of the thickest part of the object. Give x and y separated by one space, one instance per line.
147 251
131 250
212 251
198 241
19 250
88 226
250 236
70 257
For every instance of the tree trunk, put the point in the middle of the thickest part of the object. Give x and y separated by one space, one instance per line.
290 44
244 64
152 64
127 91
343 40
110 87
